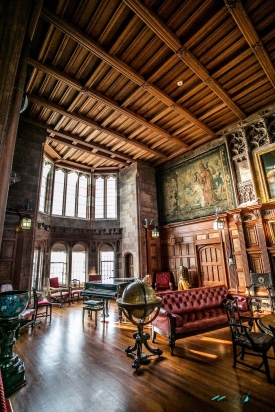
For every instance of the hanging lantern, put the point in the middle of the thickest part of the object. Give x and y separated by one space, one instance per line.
218 223
155 233
26 222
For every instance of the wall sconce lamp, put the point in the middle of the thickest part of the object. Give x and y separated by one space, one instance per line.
155 232
26 221
218 223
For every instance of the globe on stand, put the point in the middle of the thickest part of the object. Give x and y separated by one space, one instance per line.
12 304
138 302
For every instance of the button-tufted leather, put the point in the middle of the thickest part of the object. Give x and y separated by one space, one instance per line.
191 311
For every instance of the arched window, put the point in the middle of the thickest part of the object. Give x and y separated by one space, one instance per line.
43 204
79 264
71 201
72 178
82 196
106 263
37 268
59 263
58 192
105 197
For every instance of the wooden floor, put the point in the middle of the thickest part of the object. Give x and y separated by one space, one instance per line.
73 366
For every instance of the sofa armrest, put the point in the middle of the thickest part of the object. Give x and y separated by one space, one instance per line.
243 301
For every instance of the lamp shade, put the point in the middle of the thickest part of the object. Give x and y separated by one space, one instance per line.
26 222
155 232
218 224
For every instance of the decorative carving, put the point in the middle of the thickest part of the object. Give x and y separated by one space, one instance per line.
182 52
257 134
257 213
237 217
256 47
208 81
270 122
248 217
174 106
269 213
231 4
245 191
236 142
145 86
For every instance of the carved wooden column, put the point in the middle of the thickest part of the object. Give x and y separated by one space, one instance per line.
241 257
262 241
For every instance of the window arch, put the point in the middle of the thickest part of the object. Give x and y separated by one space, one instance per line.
79 262
45 186
37 267
106 262
59 260
70 194
105 197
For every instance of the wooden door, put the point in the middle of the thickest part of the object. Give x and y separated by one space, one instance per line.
211 265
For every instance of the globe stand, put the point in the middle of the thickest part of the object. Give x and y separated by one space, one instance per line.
12 304
141 338
12 367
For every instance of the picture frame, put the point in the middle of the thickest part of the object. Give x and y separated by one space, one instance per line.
264 161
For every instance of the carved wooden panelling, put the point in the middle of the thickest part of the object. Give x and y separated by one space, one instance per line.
241 279
188 239
256 264
214 235
236 245
201 237
251 236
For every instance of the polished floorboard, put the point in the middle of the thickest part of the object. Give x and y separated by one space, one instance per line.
76 367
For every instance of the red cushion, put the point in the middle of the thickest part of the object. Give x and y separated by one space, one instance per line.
162 280
54 283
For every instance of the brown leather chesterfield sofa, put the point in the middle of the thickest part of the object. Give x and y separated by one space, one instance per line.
193 311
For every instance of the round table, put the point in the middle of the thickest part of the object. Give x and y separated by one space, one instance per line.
267 320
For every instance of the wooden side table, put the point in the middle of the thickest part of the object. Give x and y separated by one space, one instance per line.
93 306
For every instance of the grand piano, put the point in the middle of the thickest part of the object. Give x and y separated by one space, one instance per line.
106 291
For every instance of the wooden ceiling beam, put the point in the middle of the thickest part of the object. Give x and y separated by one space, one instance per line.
158 27
74 138
121 67
78 118
99 97
250 34
84 149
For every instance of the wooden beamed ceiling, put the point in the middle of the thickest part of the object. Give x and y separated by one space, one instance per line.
115 82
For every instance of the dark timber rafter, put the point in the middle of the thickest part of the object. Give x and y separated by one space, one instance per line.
183 53
99 97
80 143
246 27
94 125
120 66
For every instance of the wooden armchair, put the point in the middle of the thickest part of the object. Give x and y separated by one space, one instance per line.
75 289
59 294
247 342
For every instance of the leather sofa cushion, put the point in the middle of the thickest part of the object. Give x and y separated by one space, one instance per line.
194 300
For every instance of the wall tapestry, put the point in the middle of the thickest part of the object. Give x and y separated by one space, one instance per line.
193 188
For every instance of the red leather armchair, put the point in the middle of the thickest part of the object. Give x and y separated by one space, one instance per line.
163 281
